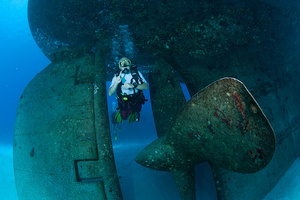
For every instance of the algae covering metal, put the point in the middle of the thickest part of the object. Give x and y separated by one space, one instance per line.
62 144
167 97
203 41
221 124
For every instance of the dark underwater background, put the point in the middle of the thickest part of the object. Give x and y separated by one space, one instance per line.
21 59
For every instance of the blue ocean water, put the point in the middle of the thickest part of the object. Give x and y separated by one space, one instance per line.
21 60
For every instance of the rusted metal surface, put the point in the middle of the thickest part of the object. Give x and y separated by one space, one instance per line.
167 97
62 145
221 124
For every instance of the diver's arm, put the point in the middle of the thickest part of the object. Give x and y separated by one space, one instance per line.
112 89
143 86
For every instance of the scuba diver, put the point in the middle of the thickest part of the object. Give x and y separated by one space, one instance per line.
128 84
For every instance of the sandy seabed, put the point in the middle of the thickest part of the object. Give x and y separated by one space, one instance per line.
7 183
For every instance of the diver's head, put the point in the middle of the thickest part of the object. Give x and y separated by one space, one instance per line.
124 65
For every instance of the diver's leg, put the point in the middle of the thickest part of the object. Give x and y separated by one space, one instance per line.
125 111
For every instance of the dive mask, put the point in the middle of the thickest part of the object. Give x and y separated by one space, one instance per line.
125 63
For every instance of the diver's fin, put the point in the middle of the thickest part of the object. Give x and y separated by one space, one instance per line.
118 117
132 117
